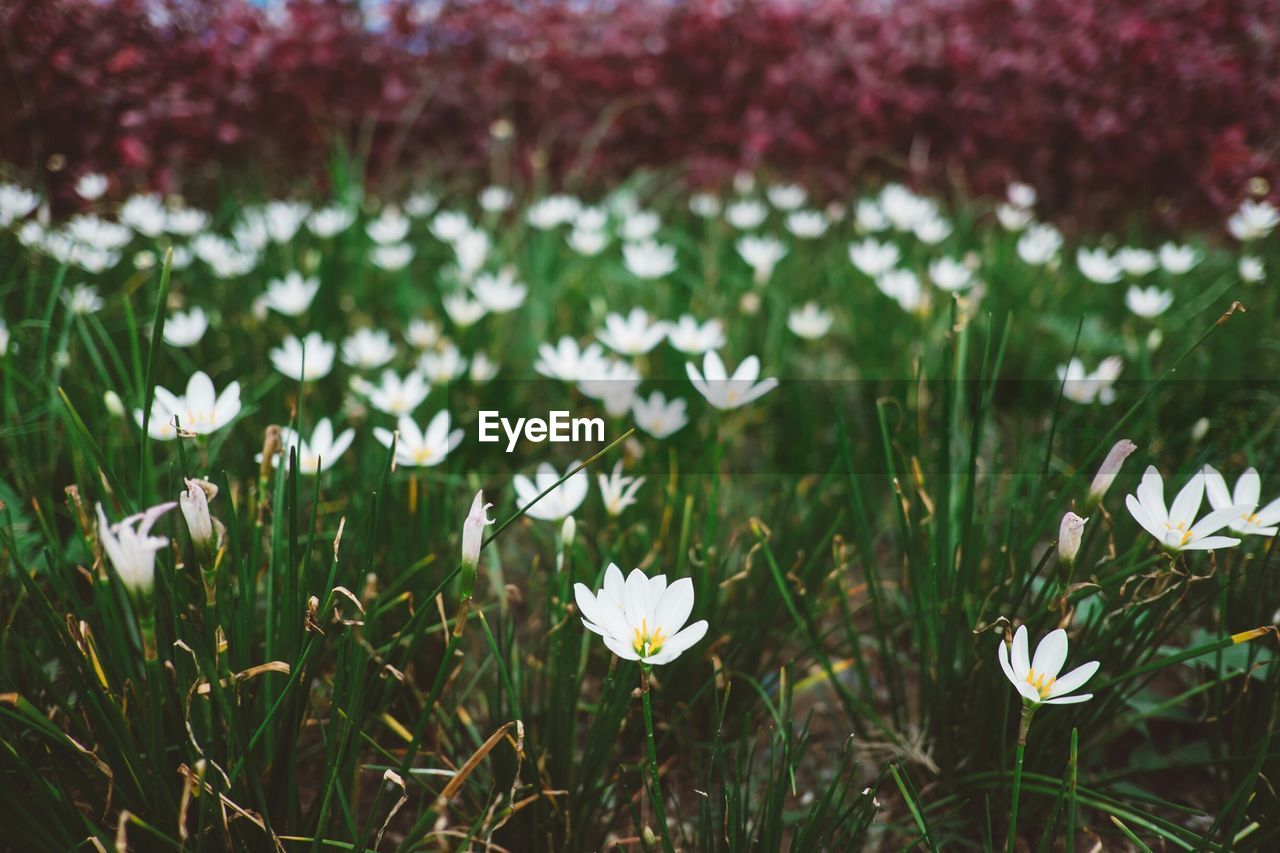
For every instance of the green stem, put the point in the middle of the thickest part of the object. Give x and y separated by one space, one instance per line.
1028 711
656 792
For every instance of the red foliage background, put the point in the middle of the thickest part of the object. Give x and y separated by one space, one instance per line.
1110 107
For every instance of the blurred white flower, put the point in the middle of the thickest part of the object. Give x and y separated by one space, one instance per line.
704 205
499 293
552 211
4 339
1021 195
693 338
91 186
787 197
807 224
810 321
1012 218
869 217
1175 528
200 411
472 250
568 362
422 333
1177 259
144 214
367 349
1148 302
391 258
420 204
640 226
1037 680
649 260
635 334
745 215
495 199
1039 244
449 225
473 530
283 219
641 618
442 366
97 233
1097 266
903 286
463 311
727 392
185 330
418 448
391 226
131 548
305 360
1135 262
1110 469
1253 220
317 454
560 502
1251 269
15 203
658 417
226 259
1080 386
1247 494
586 242
616 491
932 230
291 295
482 369
396 396
761 254
614 383
950 274
874 258
83 299
904 209
185 221
591 218
328 221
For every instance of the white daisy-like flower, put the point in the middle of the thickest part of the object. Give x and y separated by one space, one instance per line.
1178 259
464 312
904 287
1039 244
762 255
874 258
499 293
91 186
328 221
640 226
306 360
1247 494
131 547
1253 220
396 396
807 224
419 448
83 299
1081 386
1037 679
449 225
727 392
317 454
649 260
569 362
1251 269
1176 528
421 204
658 417
185 329
560 502
1097 266
552 211
810 321
617 491
495 199
694 338
1136 262
1148 302
391 226
586 242
422 333
641 618
787 197
442 366
200 411
950 275
392 258
635 334
367 349
704 205
291 295
746 215
869 217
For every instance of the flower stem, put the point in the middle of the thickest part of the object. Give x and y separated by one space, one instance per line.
1028 710
655 793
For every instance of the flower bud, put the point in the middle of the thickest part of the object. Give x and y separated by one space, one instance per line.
473 531
194 503
1109 469
1069 534
115 406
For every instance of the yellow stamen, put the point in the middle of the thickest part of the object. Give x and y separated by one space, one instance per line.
1039 682
646 643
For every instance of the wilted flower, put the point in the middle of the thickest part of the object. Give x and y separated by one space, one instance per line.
395 396
1248 492
291 295
618 492
1037 680
304 360
874 258
200 411
635 334
131 548
91 186
1109 469
317 455
745 215
1253 220
649 260
560 502
729 392
692 338
417 447
1148 302
641 618
1175 528
1176 259
1070 532
658 417
1080 386
810 321
185 330
473 530
367 349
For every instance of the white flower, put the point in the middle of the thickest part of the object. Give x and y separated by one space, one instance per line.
552 211
1097 266
1176 259
449 225
91 186
1135 262
874 258
473 530
200 411
1248 491
869 217
1012 218
640 226
807 224
420 204
618 492
194 503
462 311
472 250
950 274
692 338
226 259
4 338
1070 532
367 349
729 392
283 219
1176 528
1080 386
560 502
1253 220
1110 468
144 214
1021 195
395 396
495 199
131 548
420 448
185 330
903 208
97 233
1037 680
442 366
567 362
745 215
391 258
482 369
809 322
1148 302
904 287
704 205
499 293
641 618
422 333
787 196
391 226
932 230
762 255
186 221
328 221
614 383
291 295
1251 269
586 242
1039 244
657 417
649 260
319 453
83 299
307 360
591 218
636 334
15 203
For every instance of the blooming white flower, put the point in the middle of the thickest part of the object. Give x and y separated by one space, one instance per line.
131 547
761 254
614 383
200 411
1248 491
727 392
449 225
1097 266
1036 679
810 321
226 259
903 286
640 226
482 369
641 618
395 396
807 224
185 330
473 530
552 211
320 452
391 226
658 417
1013 218
616 491
97 233
787 197
83 299
903 208
422 333
869 217
367 349
649 260
874 258
144 214
282 219
417 447
1176 528
1080 386
1039 244
15 203
305 360
443 365
91 186
291 295
391 258
560 502
950 274
932 230
635 334
495 199
328 221
1251 269
499 293
692 338
420 204
185 221
1253 220
586 242
746 215
1177 259
1135 262
472 250
704 205
1021 195
1148 302
462 311
591 218
569 362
